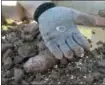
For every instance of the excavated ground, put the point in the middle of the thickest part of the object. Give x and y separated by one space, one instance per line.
18 47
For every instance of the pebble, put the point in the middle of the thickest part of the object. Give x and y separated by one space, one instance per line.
26 50
18 74
25 83
72 77
8 63
9 74
5 46
7 53
84 69
71 68
29 31
89 79
96 75
4 81
17 59
102 70
103 81
38 77
12 37
101 63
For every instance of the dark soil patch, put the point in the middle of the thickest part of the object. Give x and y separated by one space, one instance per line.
16 50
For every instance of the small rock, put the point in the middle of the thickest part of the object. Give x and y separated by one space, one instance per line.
101 63
30 78
5 46
38 77
18 74
103 81
3 37
25 83
12 37
27 51
54 75
17 59
96 75
89 65
4 81
9 74
7 53
89 79
94 53
40 63
55 66
84 69
18 43
74 82
71 68
101 70
29 31
7 62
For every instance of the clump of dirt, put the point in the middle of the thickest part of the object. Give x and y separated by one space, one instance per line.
20 47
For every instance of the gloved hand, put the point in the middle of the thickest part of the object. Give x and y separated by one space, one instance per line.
60 33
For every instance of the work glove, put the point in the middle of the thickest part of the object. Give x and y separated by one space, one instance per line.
61 34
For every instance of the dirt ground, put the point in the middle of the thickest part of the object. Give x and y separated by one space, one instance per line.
21 43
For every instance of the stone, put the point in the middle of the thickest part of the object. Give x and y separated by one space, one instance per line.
84 69
25 83
103 82
12 37
18 43
101 70
18 74
9 74
40 63
29 31
17 59
89 79
5 46
7 53
4 81
27 50
8 63
71 68
101 63
96 75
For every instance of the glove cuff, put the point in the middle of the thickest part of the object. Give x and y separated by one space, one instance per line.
42 8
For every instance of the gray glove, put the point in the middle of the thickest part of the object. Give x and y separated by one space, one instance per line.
60 33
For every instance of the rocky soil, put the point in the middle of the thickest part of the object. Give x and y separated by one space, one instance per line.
27 61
